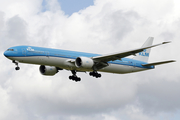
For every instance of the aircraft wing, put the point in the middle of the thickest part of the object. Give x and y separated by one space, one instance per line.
112 57
158 63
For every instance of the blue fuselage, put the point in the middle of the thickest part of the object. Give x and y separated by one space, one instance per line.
62 59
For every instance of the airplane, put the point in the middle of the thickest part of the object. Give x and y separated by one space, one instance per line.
53 60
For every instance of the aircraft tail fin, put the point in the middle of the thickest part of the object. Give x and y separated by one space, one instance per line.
144 56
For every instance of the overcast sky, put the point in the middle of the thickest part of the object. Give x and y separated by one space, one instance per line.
99 26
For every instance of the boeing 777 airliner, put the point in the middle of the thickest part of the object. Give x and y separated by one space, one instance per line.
53 60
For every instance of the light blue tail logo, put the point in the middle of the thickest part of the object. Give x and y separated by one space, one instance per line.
144 53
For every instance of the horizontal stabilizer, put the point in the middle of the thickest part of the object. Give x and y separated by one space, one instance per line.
158 63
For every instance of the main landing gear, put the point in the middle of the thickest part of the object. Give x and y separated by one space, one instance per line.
95 74
74 76
16 63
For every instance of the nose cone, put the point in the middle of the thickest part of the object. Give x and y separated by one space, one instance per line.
6 54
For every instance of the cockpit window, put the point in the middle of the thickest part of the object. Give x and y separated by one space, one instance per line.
10 49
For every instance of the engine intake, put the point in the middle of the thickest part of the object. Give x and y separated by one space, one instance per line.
84 62
48 70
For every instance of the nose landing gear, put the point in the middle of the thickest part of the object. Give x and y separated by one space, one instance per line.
16 63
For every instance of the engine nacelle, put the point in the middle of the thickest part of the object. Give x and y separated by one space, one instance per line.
48 70
84 62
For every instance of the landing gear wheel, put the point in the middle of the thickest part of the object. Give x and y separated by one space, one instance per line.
78 79
74 77
95 74
17 68
99 75
16 63
91 73
70 77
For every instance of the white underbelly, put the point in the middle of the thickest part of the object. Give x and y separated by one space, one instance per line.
65 63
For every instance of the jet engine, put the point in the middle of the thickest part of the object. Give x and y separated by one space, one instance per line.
48 70
84 62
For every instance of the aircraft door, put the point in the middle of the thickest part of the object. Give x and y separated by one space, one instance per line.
24 52
133 66
130 66
47 54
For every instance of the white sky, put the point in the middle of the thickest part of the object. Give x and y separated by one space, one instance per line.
105 27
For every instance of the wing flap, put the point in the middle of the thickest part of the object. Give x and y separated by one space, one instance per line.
158 63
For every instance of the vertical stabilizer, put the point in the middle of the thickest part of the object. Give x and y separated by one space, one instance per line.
144 56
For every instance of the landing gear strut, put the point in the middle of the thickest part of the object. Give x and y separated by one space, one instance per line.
95 74
74 76
16 63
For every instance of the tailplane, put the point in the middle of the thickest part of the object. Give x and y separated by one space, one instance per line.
144 56
158 63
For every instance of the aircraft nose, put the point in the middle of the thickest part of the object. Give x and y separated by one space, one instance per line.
6 54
